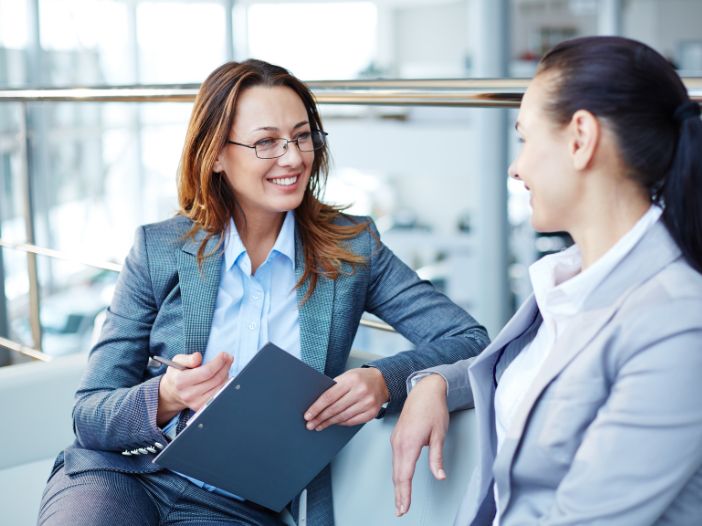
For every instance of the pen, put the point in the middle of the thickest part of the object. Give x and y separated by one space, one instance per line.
170 363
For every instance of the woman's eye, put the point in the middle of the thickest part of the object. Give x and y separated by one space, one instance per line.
265 143
304 136
521 140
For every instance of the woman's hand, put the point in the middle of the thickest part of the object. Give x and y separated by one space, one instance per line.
355 399
191 387
423 421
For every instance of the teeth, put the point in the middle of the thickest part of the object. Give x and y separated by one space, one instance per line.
284 181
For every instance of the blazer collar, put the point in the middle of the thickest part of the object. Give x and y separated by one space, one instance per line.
198 289
652 253
315 314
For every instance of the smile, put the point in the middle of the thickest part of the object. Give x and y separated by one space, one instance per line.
284 181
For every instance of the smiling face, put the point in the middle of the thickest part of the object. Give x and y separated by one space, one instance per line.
545 163
267 186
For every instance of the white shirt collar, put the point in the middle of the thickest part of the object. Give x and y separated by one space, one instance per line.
284 243
561 289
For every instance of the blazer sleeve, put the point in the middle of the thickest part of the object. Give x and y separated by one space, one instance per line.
116 404
459 394
645 443
441 331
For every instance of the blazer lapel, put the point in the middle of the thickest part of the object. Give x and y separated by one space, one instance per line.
521 321
315 314
481 380
198 289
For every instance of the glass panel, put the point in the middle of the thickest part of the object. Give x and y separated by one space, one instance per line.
17 294
415 174
72 298
180 42
14 24
86 42
342 45
111 168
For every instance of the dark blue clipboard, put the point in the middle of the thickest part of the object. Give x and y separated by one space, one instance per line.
251 438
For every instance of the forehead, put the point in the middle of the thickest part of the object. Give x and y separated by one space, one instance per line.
534 100
268 106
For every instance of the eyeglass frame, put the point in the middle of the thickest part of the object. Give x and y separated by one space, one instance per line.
285 148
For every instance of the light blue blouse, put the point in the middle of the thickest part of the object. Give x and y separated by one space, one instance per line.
252 310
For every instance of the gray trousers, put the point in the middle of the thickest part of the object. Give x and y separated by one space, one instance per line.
123 499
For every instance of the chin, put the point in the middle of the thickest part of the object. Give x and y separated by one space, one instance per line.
543 225
289 204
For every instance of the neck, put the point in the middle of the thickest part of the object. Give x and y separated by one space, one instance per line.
258 233
607 219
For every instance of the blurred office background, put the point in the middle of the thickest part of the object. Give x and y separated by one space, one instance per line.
434 178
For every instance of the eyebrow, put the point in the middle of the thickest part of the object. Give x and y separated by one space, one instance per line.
273 128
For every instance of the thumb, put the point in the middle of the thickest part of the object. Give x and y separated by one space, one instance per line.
436 457
194 359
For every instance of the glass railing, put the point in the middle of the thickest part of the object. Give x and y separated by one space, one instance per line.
54 288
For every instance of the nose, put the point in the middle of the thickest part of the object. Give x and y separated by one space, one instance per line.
512 171
291 157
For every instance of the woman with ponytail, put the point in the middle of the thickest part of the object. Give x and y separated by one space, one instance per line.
588 402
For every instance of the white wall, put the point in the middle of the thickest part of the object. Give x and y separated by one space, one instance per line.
664 24
529 17
428 162
432 40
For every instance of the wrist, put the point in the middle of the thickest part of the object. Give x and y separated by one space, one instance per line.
167 407
382 385
433 382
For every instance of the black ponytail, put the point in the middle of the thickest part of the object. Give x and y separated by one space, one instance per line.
682 190
646 105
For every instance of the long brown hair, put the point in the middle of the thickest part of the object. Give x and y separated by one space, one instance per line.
205 196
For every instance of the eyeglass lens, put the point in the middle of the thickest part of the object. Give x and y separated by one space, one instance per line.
306 142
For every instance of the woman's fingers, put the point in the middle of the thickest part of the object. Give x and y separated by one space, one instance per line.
357 392
436 453
203 373
423 421
191 387
325 400
196 390
405 452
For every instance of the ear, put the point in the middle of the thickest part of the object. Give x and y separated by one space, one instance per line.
218 166
585 137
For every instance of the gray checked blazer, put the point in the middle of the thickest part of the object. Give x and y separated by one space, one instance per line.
163 305
610 432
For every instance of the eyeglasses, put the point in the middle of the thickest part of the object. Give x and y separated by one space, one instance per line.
273 148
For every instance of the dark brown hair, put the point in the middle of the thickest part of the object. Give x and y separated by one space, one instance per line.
640 96
205 196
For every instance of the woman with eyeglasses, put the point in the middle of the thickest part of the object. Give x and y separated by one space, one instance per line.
253 256
588 403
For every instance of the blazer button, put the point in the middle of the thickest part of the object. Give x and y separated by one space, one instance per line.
151 449
143 451
135 452
126 453
158 445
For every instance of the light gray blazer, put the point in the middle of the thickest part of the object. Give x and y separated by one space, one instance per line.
611 430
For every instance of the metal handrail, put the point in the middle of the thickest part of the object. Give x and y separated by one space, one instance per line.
23 349
450 92
58 254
